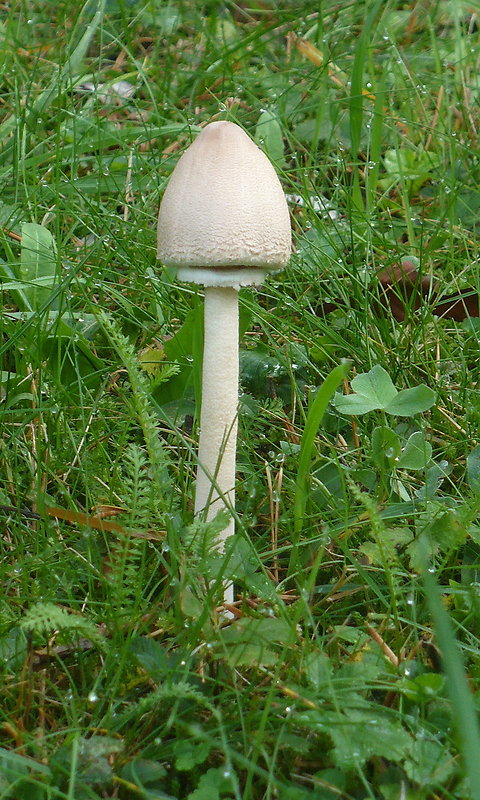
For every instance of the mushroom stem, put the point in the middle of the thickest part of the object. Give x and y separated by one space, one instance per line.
218 418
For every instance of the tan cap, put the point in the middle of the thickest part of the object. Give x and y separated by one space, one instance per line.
223 219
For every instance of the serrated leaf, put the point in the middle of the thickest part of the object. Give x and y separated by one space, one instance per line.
215 782
416 453
387 549
412 401
359 735
318 669
430 762
248 641
242 557
151 359
249 629
189 754
151 656
366 735
261 586
434 478
249 654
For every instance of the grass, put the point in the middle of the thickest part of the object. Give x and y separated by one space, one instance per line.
351 668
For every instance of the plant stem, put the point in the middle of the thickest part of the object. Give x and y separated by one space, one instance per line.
218 419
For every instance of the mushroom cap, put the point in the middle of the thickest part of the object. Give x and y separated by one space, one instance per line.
223 219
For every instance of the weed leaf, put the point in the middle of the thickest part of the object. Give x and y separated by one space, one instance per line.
416 453
412 401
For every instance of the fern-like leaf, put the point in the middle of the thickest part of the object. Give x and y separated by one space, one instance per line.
46 618
145 415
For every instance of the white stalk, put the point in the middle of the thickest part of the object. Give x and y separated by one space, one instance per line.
218 418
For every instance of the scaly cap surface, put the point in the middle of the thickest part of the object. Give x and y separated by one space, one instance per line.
223 219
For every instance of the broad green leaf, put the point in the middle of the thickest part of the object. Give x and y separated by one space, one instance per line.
359 734
242 558
412 401
372 390
473 469
89 757
387 549
375 385
429 762
424 687
190 753
248 641
268 135
354 404
318 669
385 446
38 262
151 656
260 585
250 654
365 735
165 17
375 390
434 478
411 165
416 453
213 784
335 780
190 605
143 772
250 629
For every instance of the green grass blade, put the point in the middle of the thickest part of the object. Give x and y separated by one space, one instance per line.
312 424
356 94
71 66
463 706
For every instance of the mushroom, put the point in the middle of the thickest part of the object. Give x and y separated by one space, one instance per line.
223 223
